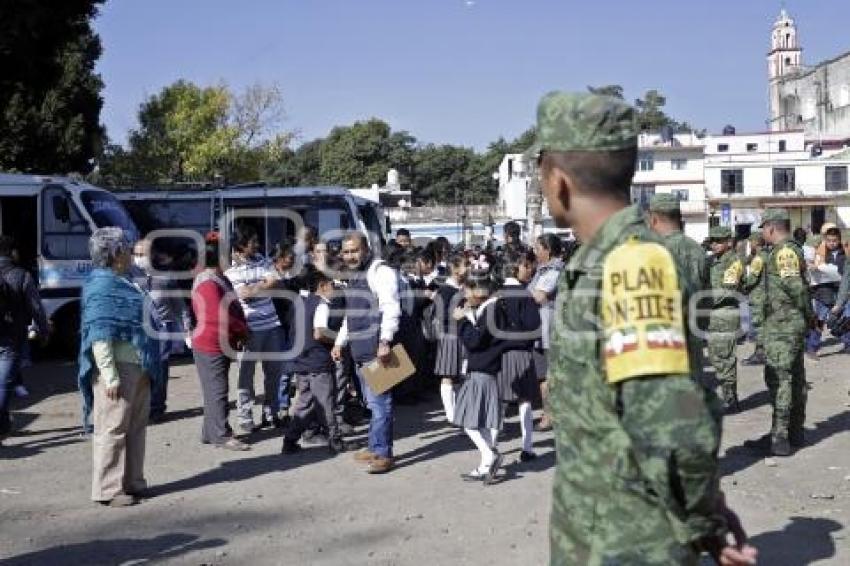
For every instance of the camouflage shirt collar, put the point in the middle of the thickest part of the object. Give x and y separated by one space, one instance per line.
606 238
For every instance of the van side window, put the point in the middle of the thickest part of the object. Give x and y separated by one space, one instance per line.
64 232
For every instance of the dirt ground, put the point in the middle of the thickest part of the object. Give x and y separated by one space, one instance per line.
215 507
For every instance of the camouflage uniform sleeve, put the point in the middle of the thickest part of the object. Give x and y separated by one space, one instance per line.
752 277
791 266
666 414
676 441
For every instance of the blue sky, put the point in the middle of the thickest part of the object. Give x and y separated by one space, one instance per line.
456 71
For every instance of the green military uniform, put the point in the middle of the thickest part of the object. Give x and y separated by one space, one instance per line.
636 480
787 313
753 285
724 322
690 255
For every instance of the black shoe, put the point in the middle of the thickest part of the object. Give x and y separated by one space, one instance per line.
490 478
473 476
290 447
527 456
156 417
797 439
730 406
780 446
314 441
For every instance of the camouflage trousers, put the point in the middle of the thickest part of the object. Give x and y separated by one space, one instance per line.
785 377
723 328
757 319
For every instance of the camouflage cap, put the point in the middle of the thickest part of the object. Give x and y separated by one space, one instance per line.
720 233
774 215
664 202
576 121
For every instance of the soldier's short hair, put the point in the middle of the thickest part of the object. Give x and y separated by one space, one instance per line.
833 232
607 173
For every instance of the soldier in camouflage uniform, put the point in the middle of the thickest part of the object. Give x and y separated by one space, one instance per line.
665 219
787 316
724 322
637 437
753 286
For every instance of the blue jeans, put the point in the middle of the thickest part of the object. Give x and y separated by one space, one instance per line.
813 337
8 369
381 425
159 390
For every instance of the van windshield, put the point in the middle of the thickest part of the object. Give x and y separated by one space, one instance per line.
106 210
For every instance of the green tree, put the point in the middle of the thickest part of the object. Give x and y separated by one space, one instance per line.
608 90
49 93
441 174
361 154
192 133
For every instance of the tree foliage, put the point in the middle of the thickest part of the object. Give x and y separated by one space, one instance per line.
191 133
49 93
651 116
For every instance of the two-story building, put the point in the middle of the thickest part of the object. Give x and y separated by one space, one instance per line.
673 163
744 174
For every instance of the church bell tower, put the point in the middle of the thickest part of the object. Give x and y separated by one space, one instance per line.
784 59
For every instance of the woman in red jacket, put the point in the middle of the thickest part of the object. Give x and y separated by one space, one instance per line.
220 330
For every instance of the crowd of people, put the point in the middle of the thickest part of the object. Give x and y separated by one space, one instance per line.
479 324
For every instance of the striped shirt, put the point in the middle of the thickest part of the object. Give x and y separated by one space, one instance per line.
259 311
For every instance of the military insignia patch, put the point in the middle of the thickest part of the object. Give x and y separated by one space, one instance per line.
733 273
787 263
756 265
642 313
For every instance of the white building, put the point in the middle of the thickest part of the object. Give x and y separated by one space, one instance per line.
514 177
673 163
814 99
744 174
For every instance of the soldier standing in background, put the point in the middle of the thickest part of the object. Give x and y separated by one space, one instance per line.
753 286
665 219
788 314
637 479
724 322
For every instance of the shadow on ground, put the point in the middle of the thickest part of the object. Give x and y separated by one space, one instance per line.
803 541
117 551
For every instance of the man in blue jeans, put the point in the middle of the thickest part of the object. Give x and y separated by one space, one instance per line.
19 304
372 318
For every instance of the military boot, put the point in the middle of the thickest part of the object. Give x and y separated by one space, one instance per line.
780 446
797 438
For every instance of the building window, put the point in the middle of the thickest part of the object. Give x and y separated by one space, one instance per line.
646 162
783 146
836 178
752 147
641 195
681 194
679 164
732 181
722 147
783 180
844 96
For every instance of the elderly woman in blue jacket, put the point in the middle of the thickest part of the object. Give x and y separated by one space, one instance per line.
118 361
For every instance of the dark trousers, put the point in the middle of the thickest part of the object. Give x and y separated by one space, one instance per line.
159 391
213 372
315 404
8 367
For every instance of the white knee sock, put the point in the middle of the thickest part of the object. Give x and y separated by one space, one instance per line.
483 447
494 439
526 422
447 394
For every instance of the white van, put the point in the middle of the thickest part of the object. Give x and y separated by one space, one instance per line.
272 211
51 219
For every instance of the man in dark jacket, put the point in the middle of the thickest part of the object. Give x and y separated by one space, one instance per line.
20 304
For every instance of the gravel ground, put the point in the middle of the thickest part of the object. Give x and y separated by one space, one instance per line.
215 507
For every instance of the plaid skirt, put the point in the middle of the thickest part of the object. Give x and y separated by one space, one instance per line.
450 356
477 402
518 378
